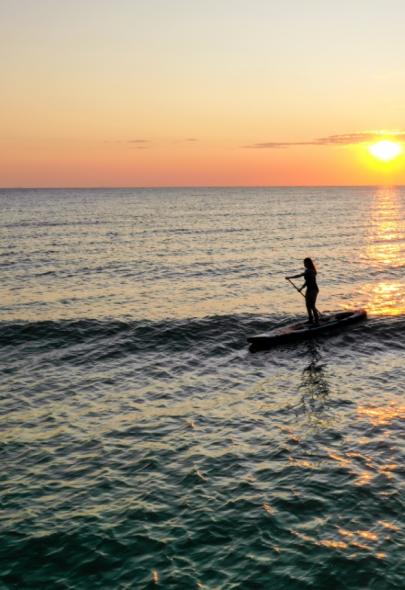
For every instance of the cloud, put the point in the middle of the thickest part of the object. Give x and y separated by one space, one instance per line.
143 144
185 140
137 141
344 139
276 144
135 144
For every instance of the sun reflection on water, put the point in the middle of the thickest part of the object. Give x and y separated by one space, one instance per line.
350 541
382 415
386 251
386 228
386 298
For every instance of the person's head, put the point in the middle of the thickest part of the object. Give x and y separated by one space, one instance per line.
309 264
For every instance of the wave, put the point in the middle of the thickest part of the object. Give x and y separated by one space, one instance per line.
227 331
142 334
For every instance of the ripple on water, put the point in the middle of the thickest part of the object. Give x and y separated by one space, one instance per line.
159 452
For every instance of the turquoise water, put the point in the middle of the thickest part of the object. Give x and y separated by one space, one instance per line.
142 444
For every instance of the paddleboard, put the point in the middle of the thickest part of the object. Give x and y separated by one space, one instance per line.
303 330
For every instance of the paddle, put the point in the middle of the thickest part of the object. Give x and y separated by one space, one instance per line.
295 287
299 291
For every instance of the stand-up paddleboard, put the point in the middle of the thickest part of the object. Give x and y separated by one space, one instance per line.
304 330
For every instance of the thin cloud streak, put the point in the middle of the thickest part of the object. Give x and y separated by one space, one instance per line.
147 143
344 139
137 141
185 140
141 142
134 144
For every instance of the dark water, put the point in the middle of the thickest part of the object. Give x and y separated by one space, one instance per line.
139 438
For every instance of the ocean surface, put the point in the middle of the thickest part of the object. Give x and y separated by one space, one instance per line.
143 446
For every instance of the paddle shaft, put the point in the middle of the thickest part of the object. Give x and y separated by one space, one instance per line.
295 287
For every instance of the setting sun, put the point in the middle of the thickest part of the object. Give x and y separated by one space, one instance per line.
385 150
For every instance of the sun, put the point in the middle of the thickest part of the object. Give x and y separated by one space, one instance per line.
385 150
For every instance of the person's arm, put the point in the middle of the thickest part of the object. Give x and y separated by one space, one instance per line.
295 276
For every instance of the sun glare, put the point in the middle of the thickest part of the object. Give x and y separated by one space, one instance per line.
385 150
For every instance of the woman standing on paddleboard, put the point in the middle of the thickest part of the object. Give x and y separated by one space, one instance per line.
312 289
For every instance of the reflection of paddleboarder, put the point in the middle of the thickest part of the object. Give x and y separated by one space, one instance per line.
312 289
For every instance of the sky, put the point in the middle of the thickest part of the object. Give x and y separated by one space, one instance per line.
200 92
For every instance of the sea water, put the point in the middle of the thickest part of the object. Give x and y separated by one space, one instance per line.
142 444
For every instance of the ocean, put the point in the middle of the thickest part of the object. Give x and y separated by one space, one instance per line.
143 446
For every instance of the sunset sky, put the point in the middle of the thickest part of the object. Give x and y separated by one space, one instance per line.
205 93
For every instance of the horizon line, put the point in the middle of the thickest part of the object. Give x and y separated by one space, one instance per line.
202 186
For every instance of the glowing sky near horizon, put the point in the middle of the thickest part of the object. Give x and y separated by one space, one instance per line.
157 93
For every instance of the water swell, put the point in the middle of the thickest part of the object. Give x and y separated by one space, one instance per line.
173 334
121 337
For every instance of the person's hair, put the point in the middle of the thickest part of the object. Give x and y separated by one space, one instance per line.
309 264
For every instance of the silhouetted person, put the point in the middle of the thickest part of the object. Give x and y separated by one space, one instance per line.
312 291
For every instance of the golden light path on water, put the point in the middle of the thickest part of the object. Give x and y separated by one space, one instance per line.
385 298
384 251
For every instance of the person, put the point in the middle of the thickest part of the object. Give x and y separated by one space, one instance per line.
312 291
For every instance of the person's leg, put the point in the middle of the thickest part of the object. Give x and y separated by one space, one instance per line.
308 303
314 310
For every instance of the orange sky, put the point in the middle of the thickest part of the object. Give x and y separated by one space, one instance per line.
157 93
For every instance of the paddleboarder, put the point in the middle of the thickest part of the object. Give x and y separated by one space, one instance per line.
312 289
